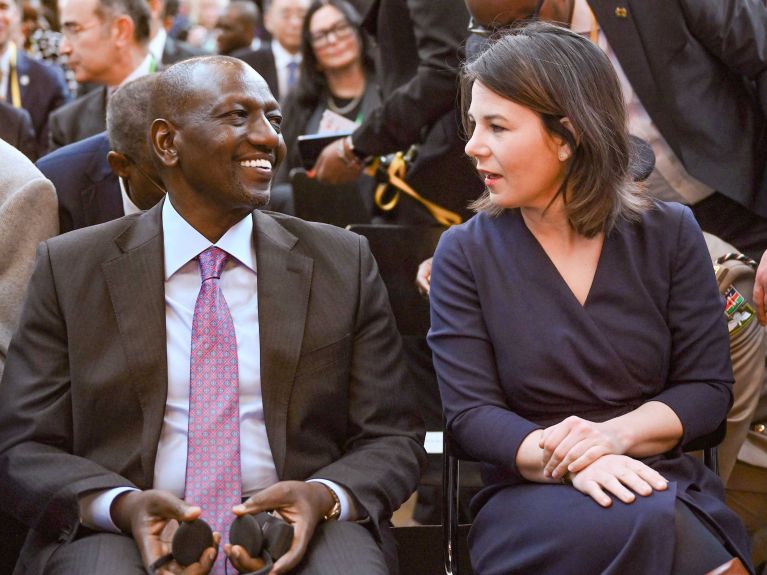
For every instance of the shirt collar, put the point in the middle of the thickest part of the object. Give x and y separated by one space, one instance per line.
282 57
181 242
157 44
128 206
141 70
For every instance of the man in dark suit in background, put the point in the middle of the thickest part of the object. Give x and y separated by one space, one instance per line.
279 61
106 43
95 400
16 129
25 82
87 174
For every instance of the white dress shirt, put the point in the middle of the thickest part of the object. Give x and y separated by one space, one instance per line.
181 244
129 208
5 72
156 45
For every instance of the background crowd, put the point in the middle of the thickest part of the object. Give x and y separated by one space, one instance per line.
382 78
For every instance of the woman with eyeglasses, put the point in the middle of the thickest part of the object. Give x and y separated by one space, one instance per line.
336 79
577 333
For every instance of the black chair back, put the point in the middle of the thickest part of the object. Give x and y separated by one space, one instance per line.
339 205
399 250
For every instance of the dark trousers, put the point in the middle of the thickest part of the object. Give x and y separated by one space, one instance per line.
337 548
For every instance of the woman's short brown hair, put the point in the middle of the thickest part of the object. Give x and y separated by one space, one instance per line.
559 74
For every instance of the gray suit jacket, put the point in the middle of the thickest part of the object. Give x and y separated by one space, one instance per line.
700 69
28 215
83 396
75 121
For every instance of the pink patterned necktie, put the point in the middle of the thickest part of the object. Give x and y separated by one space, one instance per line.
213 457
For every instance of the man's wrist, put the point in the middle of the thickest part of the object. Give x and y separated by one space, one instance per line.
121 510
325 498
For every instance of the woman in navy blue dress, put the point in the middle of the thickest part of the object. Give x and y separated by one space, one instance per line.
577 333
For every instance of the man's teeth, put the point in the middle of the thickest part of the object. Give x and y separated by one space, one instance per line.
266 164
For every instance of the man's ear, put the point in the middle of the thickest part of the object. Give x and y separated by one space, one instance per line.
123 28
120 164
162 136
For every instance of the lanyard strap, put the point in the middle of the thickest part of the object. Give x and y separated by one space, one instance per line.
396 173
13 81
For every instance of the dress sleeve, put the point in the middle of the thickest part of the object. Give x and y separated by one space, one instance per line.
475 405
699 384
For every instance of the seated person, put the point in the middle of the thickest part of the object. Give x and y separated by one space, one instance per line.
577 332
336 88
148 344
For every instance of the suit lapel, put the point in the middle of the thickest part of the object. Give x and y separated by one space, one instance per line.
284 279
136 287
616 19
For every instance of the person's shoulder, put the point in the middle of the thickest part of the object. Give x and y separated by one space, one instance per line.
80 104
254 57
93 239
481 227
16 169
662 217
75 152
311 232
40 71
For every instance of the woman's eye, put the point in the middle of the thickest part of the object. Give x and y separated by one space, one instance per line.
496 129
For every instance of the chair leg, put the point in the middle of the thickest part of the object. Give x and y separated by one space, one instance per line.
733 567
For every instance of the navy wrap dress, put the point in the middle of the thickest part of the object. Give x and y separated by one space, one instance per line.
515 351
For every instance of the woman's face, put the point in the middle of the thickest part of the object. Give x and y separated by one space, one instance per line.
333 39
517 158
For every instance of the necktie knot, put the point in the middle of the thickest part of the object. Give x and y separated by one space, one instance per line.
212 262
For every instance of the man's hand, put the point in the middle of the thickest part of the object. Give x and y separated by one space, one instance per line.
575 443
299 503
152 518
760 288
423 277
332 168
620 475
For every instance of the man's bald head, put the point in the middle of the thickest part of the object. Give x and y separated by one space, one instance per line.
175 92
499 13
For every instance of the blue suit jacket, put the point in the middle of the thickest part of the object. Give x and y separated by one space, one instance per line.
43 89
87 189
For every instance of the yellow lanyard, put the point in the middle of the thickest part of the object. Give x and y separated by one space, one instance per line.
396 173
13 80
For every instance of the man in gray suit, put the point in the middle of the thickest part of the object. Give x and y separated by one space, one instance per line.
95 411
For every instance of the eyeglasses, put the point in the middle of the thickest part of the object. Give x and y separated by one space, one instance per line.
340 30
485 31
72 30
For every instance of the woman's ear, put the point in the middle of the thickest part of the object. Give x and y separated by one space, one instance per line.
162 138
565 149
